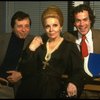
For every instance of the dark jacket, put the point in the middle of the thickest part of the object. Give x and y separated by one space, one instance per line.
65 60
4 41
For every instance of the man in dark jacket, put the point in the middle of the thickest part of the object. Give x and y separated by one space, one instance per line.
11 47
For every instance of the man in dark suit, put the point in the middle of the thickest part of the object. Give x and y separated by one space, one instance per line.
83 20
11 47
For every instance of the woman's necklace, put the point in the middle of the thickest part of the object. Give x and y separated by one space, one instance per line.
49 52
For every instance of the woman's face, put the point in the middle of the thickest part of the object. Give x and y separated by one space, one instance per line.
52 27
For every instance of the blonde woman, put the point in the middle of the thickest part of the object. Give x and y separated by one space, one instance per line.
50 61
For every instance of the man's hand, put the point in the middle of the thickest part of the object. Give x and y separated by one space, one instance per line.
14 76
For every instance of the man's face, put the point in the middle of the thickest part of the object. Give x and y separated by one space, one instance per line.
22 28
82 22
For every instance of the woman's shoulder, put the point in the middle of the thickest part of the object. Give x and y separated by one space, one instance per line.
69 37
69 45
69 42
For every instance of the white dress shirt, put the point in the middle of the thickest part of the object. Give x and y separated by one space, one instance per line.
89 42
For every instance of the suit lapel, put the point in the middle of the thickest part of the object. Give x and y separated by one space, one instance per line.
27 41
6 39
96 41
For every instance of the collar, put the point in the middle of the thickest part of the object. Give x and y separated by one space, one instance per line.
88 37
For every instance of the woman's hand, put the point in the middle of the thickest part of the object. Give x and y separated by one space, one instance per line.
71 90
36 42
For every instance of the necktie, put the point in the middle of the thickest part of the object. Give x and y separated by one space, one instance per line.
84 48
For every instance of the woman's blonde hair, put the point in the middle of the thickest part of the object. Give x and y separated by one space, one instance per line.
53 12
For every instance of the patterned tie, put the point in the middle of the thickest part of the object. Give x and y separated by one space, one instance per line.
84 48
